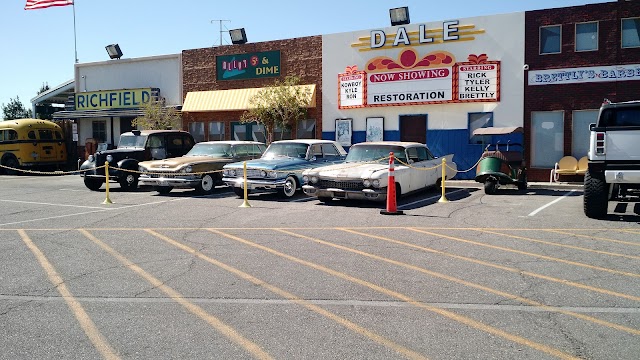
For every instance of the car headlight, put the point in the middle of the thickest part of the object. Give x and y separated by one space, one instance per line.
110 158
273 174
375 183
305 179
314 179
263 173
142 169
91 158
186 169
366 182
233 172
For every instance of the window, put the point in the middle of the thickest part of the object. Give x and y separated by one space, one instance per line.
99 130
620 117
31 135
581 134
239 132
630 36
280 134
477 121
547 138
258 133
306 129
197 130
329 150
587 36
45 134
550 39
216 130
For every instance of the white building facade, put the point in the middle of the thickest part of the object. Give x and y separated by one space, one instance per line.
430 82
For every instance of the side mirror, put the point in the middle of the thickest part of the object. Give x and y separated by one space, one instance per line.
313 158
591 126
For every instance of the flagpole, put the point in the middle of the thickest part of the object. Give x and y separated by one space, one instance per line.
75 43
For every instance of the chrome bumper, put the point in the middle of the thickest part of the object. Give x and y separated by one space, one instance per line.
364 194
253 184
185 181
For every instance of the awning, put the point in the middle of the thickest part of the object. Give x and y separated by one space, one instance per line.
230 100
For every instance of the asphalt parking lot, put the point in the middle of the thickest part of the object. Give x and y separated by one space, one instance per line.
520 274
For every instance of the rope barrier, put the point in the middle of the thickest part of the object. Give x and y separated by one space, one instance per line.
346 166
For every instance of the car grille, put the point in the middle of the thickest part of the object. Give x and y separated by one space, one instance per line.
344 185
163 175
252 173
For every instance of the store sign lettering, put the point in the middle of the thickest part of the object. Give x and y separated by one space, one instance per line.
585 75
449 33
112 99
248 66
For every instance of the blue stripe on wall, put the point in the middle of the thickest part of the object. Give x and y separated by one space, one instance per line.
443 142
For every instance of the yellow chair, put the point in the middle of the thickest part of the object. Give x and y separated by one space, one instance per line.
582 165
568 165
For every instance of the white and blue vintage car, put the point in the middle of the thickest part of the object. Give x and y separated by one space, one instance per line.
280 167
365 173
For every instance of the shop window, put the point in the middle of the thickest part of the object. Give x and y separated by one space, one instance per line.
216 131
580 134
281 134
550 39
99 130
239 131
630 33
197 131
306 129
547 138
258 133
587 36
477 121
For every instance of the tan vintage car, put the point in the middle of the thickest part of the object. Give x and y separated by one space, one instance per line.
200 168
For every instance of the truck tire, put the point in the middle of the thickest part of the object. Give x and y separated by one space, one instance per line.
595 195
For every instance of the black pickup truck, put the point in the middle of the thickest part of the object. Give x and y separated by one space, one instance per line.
134 147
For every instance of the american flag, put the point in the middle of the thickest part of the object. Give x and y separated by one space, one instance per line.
41 4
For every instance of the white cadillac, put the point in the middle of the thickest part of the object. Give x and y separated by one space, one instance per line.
365 172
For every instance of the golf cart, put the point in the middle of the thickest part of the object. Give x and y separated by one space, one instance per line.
502 162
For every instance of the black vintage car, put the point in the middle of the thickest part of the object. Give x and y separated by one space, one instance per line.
134 147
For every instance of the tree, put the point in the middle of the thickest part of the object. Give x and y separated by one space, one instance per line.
279 105
15 110
44 111
157 117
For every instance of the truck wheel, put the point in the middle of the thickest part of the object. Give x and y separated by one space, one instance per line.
595 195
93 184
129 181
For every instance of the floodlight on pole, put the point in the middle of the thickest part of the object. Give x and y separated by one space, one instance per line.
114 51
399 16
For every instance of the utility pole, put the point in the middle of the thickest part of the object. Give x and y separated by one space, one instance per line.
220 21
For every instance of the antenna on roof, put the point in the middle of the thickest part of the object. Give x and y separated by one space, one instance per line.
220 21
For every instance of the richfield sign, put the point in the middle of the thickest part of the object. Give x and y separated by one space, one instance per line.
417 80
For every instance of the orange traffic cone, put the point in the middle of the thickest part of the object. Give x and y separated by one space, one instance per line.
392 208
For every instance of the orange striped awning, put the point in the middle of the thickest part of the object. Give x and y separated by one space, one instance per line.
229 100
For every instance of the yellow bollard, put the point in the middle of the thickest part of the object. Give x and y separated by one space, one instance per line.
245 204
443 199
106 173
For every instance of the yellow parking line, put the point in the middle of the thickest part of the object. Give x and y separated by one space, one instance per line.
88 326
594 237
463 282
216 323
445 313
293 298
560 245
569 262
502 267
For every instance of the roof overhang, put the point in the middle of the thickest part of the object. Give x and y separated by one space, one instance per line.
232 100
57 95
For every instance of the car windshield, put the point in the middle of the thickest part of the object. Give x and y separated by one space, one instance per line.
286 149
130 140
213 150
380 153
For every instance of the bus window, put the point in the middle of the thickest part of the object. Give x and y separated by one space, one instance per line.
31 135
58 136
12 135
45 134
2 135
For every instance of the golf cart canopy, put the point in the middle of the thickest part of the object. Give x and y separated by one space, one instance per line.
498 130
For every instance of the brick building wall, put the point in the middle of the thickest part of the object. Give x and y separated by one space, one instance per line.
569 97
301 57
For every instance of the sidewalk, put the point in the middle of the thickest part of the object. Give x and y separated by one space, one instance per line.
561 185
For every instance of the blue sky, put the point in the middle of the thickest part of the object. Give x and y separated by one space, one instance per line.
39 44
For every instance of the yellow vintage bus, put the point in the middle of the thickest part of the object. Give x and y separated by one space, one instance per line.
31 143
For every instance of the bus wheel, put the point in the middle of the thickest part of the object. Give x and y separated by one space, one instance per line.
11 162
